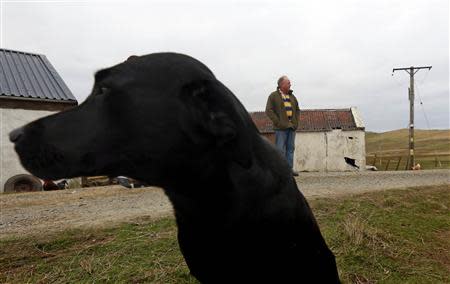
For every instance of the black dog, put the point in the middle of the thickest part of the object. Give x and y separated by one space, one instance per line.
240 215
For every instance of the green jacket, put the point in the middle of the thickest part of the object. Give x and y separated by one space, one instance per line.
276 112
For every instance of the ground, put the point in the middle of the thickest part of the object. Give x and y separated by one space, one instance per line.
52 212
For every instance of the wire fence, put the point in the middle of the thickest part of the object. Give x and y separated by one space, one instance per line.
400 163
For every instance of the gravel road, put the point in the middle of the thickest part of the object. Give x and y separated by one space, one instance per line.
50 212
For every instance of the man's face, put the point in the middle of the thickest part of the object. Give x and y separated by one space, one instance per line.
285 85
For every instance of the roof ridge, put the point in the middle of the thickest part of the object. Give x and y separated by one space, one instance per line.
313 120
23 52
311 109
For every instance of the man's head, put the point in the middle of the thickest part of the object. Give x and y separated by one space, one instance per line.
284 84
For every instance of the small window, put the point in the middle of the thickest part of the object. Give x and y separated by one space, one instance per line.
351 162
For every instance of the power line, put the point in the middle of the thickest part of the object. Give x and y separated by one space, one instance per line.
411 71
423 107
426 120
425 77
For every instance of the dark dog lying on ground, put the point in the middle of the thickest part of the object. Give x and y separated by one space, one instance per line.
240 215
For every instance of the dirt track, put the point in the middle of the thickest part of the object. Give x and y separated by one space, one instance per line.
48 212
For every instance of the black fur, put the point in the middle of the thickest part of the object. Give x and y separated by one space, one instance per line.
166 120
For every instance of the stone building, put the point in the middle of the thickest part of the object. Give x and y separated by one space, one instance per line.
326 140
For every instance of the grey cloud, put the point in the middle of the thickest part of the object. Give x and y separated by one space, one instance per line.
337 53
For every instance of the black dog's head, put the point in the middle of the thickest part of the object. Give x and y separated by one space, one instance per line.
147 118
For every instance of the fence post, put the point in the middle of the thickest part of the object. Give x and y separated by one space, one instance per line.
437 162
84 182
398 163
387 165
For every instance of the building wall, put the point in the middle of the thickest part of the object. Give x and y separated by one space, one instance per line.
326 151
310 151
9 120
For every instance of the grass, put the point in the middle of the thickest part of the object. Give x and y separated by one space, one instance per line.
398 236
144 251
390 237
432 148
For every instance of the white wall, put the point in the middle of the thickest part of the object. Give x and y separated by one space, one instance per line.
10 119
310 151
325 151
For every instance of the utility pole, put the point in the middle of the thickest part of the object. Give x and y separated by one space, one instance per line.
411 71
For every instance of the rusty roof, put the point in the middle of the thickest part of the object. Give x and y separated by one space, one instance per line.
311 120
31 76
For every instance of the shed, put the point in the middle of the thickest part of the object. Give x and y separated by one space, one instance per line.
326 139
30 88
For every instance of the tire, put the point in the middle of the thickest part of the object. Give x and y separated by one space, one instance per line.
23 183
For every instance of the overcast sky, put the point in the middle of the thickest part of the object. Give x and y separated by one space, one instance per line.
337 54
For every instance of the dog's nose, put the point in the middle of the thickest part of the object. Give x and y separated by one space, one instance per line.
15 135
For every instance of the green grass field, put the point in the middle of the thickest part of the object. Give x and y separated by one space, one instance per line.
432 148
400 236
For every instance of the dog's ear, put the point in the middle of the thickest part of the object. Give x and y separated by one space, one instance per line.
217 112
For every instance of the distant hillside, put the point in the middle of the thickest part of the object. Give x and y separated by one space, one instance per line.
396 142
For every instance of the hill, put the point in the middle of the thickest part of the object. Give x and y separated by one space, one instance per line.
432 148
428 142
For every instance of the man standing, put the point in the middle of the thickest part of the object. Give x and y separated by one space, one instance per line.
282 108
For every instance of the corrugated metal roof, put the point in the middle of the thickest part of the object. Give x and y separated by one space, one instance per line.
312 120
28 75
262 122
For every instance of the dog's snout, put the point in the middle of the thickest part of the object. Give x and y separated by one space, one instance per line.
16 134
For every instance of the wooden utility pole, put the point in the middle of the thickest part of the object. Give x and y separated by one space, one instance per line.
411 71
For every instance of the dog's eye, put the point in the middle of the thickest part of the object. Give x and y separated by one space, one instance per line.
102 90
